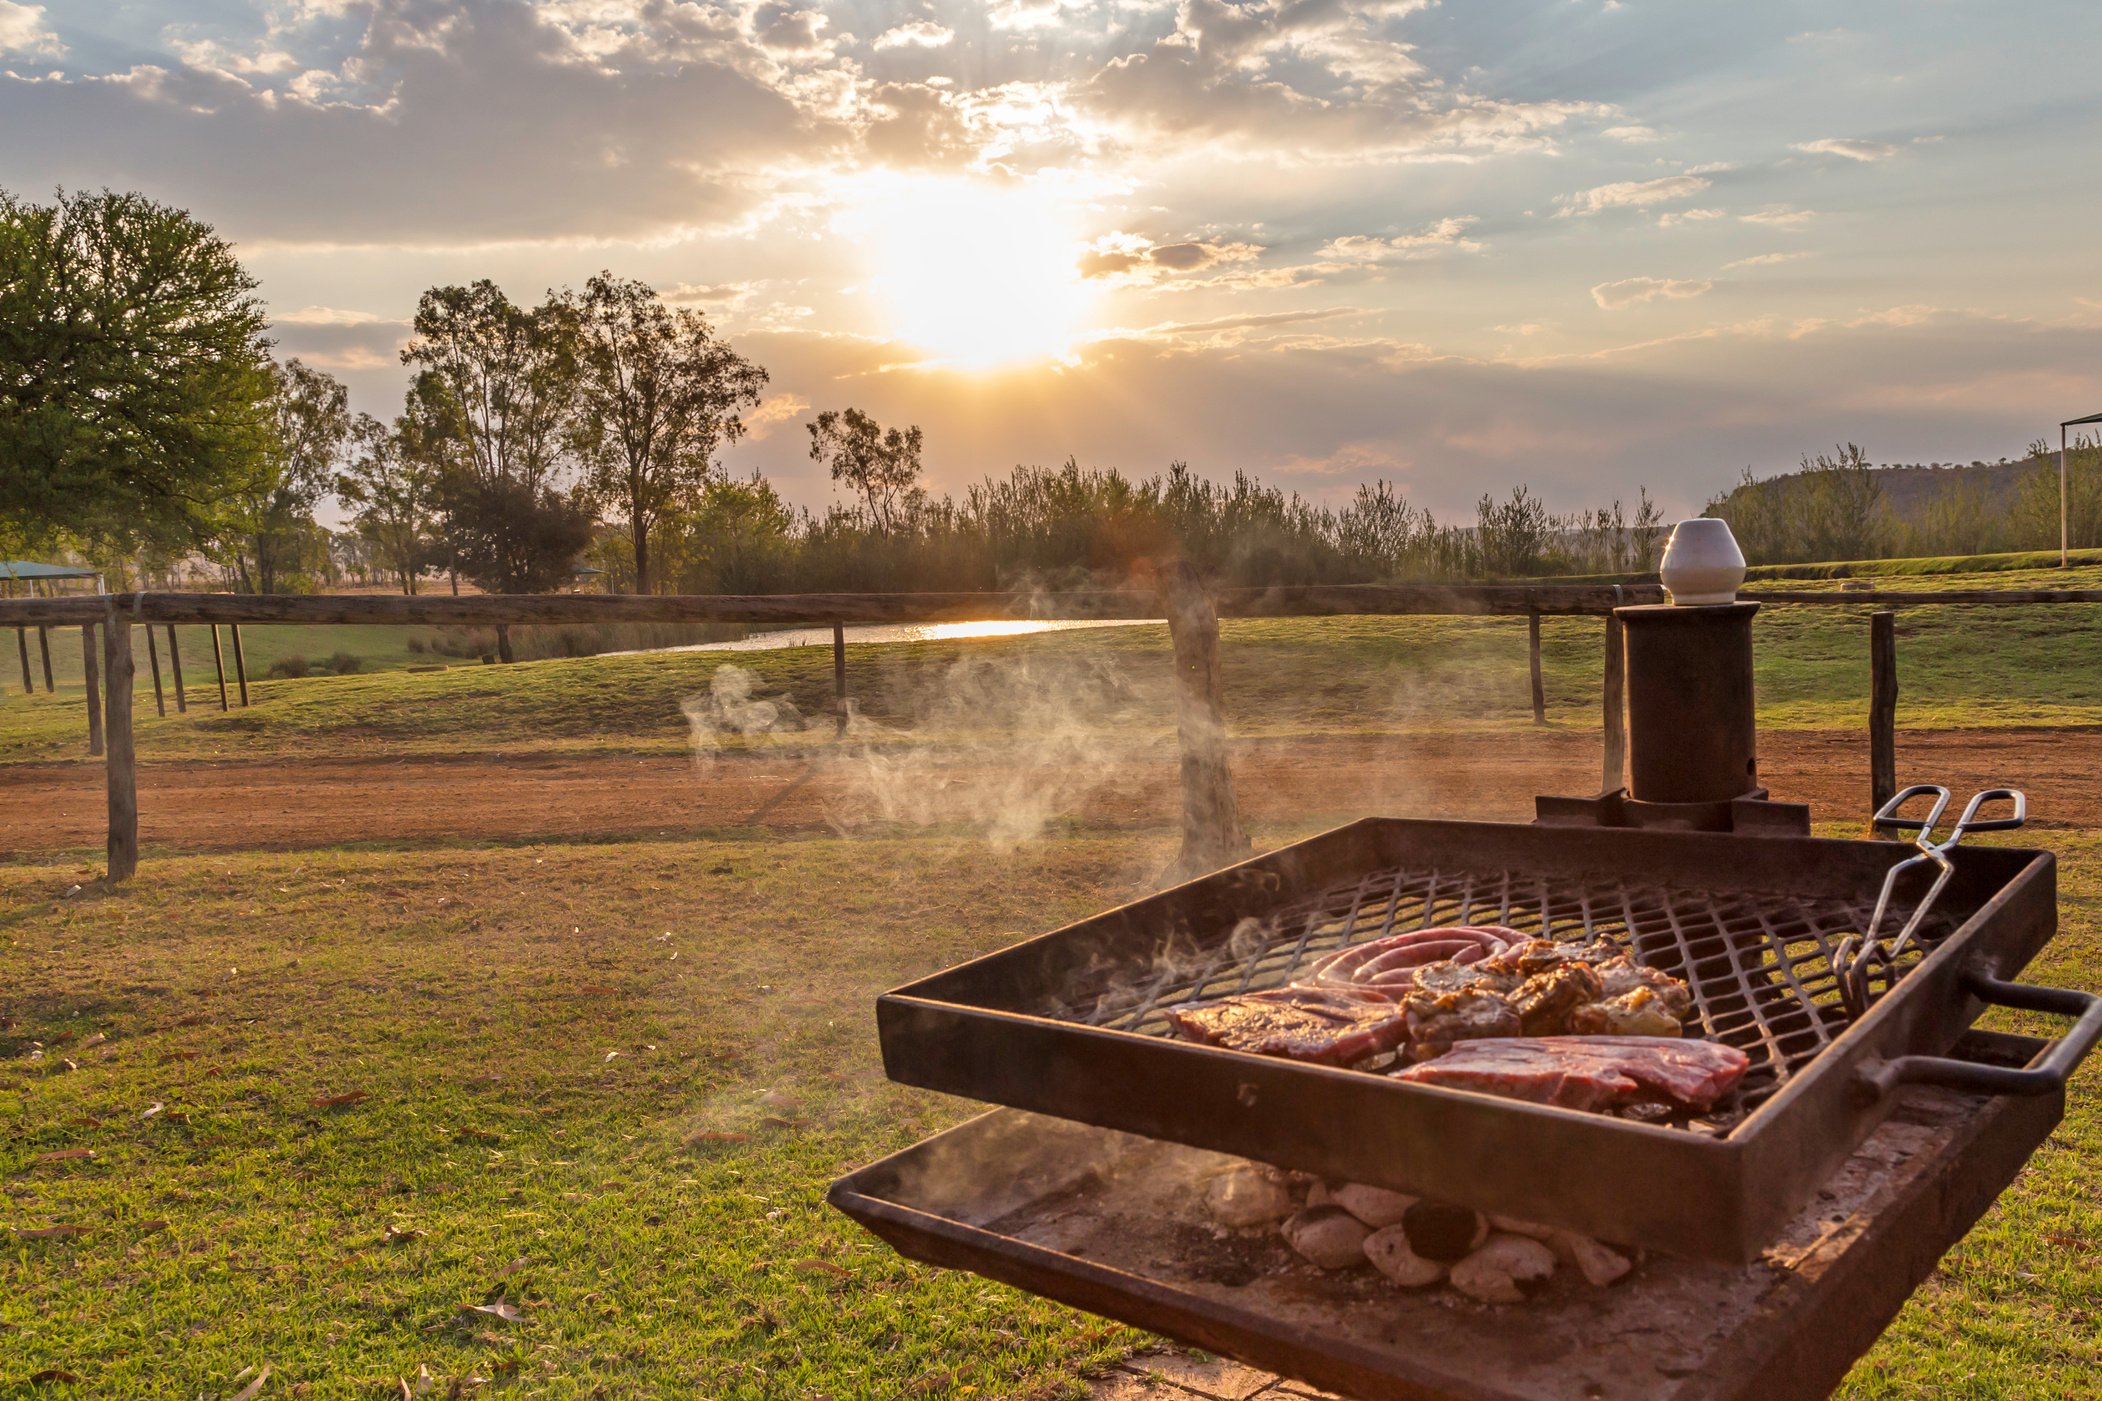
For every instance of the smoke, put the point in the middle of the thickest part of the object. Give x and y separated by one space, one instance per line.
1002 747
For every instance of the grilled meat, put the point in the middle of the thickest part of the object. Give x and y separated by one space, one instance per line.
1448 976
1325 1026
1532 956
1641 1011
1621 975
1390 964
1589 1072
1544 1001
1436 1021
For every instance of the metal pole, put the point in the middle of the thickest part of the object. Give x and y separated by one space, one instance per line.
2065 553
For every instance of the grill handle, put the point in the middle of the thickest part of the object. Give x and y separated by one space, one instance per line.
2049 1074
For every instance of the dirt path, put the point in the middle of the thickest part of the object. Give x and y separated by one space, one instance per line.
280 803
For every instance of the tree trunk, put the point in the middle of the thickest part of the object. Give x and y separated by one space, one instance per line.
639 532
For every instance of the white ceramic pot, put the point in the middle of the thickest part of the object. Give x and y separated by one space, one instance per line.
1702 563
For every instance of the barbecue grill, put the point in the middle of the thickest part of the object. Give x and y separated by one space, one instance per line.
1850 987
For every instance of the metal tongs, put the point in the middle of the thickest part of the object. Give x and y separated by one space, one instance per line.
1853 961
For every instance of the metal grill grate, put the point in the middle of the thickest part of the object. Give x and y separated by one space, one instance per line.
1759 965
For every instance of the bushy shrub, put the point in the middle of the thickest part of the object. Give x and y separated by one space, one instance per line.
344 663
288 666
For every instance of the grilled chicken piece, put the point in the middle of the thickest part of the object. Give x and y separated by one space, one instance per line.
1322 1026
1640 1012
1543 955
1622 975
1545 1000
1437 1021
1448 976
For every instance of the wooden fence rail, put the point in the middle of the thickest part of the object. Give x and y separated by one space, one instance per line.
1211 821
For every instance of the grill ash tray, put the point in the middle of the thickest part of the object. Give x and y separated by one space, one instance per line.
1115 1224
1072 1024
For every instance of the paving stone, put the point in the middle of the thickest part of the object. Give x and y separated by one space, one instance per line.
1218 1378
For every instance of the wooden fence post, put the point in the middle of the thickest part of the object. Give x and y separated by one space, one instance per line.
1616 760
240 664
219 664
92 671
1532 634
1882 708
839 674
28 681
153 660
1211 818
503 647
121 768
43 644
182 704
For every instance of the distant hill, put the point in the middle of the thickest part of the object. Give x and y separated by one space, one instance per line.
1909 489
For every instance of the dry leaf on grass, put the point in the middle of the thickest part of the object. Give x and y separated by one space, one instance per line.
64 1155
718 1136
508 1312
338 1101
54 1374
50 1232
511 1269
157 1224
157 1107
248 1392
478 1135
823 1267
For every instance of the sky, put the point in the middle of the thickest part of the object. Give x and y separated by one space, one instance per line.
1586 245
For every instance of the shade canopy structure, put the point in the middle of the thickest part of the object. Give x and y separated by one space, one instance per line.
34 572
2065 553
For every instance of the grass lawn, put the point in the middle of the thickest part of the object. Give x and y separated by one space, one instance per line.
338 1101
1957 666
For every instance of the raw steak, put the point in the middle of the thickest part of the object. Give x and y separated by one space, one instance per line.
1588 1072
1390 964
1323 1026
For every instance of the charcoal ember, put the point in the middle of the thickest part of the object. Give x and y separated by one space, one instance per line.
1375 1206
1443 1232
1247 1196
1328 1236
1504 1269
1392 1255
1544 1001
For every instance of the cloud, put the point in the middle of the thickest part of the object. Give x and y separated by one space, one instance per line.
921 33
23 31
1850 149
1632 291
328 316
1634 135
1687 216
1137 258
1448 235
1629 194
1780 216
772 413
1763 260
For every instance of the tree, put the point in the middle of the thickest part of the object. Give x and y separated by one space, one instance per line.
882 464
391 489
269 521
491 402
133 370
657 395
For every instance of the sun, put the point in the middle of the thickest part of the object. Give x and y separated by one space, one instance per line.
978 275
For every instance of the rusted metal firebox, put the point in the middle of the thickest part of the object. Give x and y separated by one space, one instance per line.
1072 1024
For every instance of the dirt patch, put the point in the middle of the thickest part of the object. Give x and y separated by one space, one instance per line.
275 803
